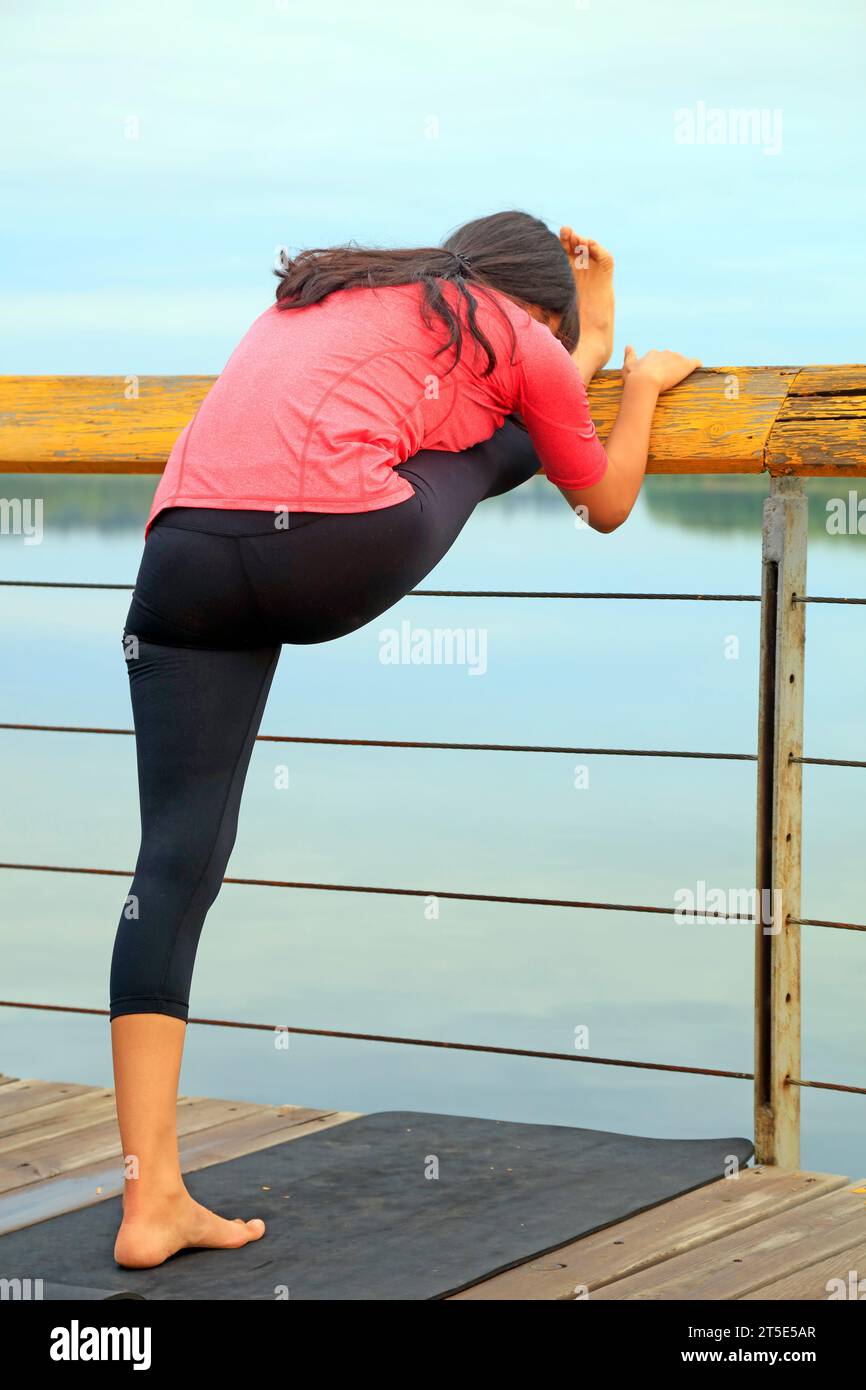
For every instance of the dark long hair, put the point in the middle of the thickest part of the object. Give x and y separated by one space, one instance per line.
508 251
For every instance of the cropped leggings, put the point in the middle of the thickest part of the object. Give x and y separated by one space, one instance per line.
217 594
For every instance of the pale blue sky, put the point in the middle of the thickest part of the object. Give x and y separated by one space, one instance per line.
276 121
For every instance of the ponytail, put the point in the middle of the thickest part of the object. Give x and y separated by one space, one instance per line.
315 274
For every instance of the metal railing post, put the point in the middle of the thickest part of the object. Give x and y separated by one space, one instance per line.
779 825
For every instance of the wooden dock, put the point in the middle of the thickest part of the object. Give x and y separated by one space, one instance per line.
769 1234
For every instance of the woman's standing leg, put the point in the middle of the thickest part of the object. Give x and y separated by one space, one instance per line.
197 713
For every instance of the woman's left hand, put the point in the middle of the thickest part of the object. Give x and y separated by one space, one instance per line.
592 267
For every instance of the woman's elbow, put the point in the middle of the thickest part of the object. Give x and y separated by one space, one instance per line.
608 519
604 507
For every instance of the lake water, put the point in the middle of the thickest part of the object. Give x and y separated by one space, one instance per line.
588 673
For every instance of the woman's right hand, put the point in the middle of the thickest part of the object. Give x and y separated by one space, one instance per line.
662 369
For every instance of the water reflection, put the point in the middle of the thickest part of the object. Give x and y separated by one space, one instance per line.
727 505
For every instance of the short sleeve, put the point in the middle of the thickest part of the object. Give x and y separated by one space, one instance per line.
553 404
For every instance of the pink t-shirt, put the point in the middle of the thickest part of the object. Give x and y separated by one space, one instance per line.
316 406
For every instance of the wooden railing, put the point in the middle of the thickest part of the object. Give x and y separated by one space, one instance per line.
807 421
790 422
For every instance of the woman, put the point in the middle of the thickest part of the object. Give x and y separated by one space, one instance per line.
330 468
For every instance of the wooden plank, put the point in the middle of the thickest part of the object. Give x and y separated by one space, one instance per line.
821 428
737 1264
818 448
32 1128
87 424
817 1281
96 1182
814 381
720 420
717 421
102 1142
646 1240
823 408
19 1096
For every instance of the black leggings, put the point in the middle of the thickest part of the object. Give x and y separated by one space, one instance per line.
217 594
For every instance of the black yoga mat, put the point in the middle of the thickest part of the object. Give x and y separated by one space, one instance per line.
395 1205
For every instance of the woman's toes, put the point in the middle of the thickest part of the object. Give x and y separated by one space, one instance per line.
230 1234
255 1224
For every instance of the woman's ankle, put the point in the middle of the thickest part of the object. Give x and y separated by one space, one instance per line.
140 1196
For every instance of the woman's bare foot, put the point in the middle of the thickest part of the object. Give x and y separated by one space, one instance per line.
592 268
147 1238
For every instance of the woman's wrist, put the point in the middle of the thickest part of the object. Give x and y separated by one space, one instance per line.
640 384
628 441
